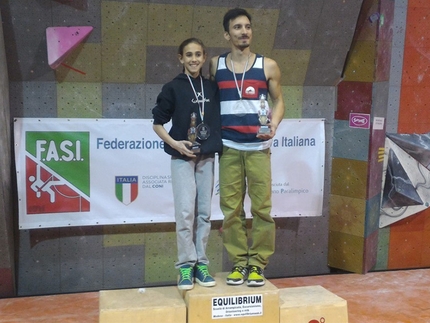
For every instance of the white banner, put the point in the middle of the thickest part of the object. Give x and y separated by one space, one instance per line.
73 172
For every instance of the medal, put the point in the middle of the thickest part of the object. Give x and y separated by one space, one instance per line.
239 108
202 130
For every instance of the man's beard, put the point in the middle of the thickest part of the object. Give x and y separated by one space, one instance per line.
243 46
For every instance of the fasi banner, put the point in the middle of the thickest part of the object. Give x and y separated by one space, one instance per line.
73 172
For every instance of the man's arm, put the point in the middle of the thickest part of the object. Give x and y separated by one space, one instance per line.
273 75
212 67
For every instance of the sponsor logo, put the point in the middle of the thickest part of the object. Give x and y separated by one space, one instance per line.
359 120
57 172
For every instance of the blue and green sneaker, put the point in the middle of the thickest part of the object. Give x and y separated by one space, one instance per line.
202 276
186 277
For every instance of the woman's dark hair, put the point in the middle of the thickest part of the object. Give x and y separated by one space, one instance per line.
233 14
189 41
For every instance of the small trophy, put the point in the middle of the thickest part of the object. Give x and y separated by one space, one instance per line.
263 116
192 134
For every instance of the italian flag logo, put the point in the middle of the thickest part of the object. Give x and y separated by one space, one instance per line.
126 188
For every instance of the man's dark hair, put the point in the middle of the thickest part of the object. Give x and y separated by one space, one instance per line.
233 14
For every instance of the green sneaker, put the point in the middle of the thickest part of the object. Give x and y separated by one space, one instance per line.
237 276
256 277
202 276
185 281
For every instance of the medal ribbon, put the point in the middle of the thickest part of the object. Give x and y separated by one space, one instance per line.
201 104
239 91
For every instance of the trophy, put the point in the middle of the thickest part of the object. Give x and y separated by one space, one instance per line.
192 134
263 116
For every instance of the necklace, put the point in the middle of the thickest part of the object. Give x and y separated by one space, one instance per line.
202 129
239 90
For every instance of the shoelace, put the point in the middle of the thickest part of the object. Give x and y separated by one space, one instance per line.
255 269
204 270
241 270
186 273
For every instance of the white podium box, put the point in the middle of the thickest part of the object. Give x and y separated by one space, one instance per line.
239 304
311 304
143 305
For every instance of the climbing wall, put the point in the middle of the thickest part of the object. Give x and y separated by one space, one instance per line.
117 70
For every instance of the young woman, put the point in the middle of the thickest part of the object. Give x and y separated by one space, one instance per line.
191 102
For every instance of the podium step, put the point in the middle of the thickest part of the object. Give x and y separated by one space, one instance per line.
311 304
239 304
223 304
143 305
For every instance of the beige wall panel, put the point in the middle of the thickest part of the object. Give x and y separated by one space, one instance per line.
264 24
123 235
123 64
169 25
293 65
124 39
293 101
124 22
360 65
79 100
85 65
207 25
346 251
160 257
214 250
347 215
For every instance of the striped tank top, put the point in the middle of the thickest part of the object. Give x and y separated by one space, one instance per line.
239 118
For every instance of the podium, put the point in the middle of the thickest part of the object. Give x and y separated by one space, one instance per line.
223 304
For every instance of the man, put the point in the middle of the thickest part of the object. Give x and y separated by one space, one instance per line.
245 79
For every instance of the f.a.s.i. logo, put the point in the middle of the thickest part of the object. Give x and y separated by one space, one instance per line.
57 169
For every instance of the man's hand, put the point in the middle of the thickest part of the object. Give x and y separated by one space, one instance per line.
270 135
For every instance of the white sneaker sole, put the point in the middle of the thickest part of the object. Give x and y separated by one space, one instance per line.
205 284
185 287
235 282
254 283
